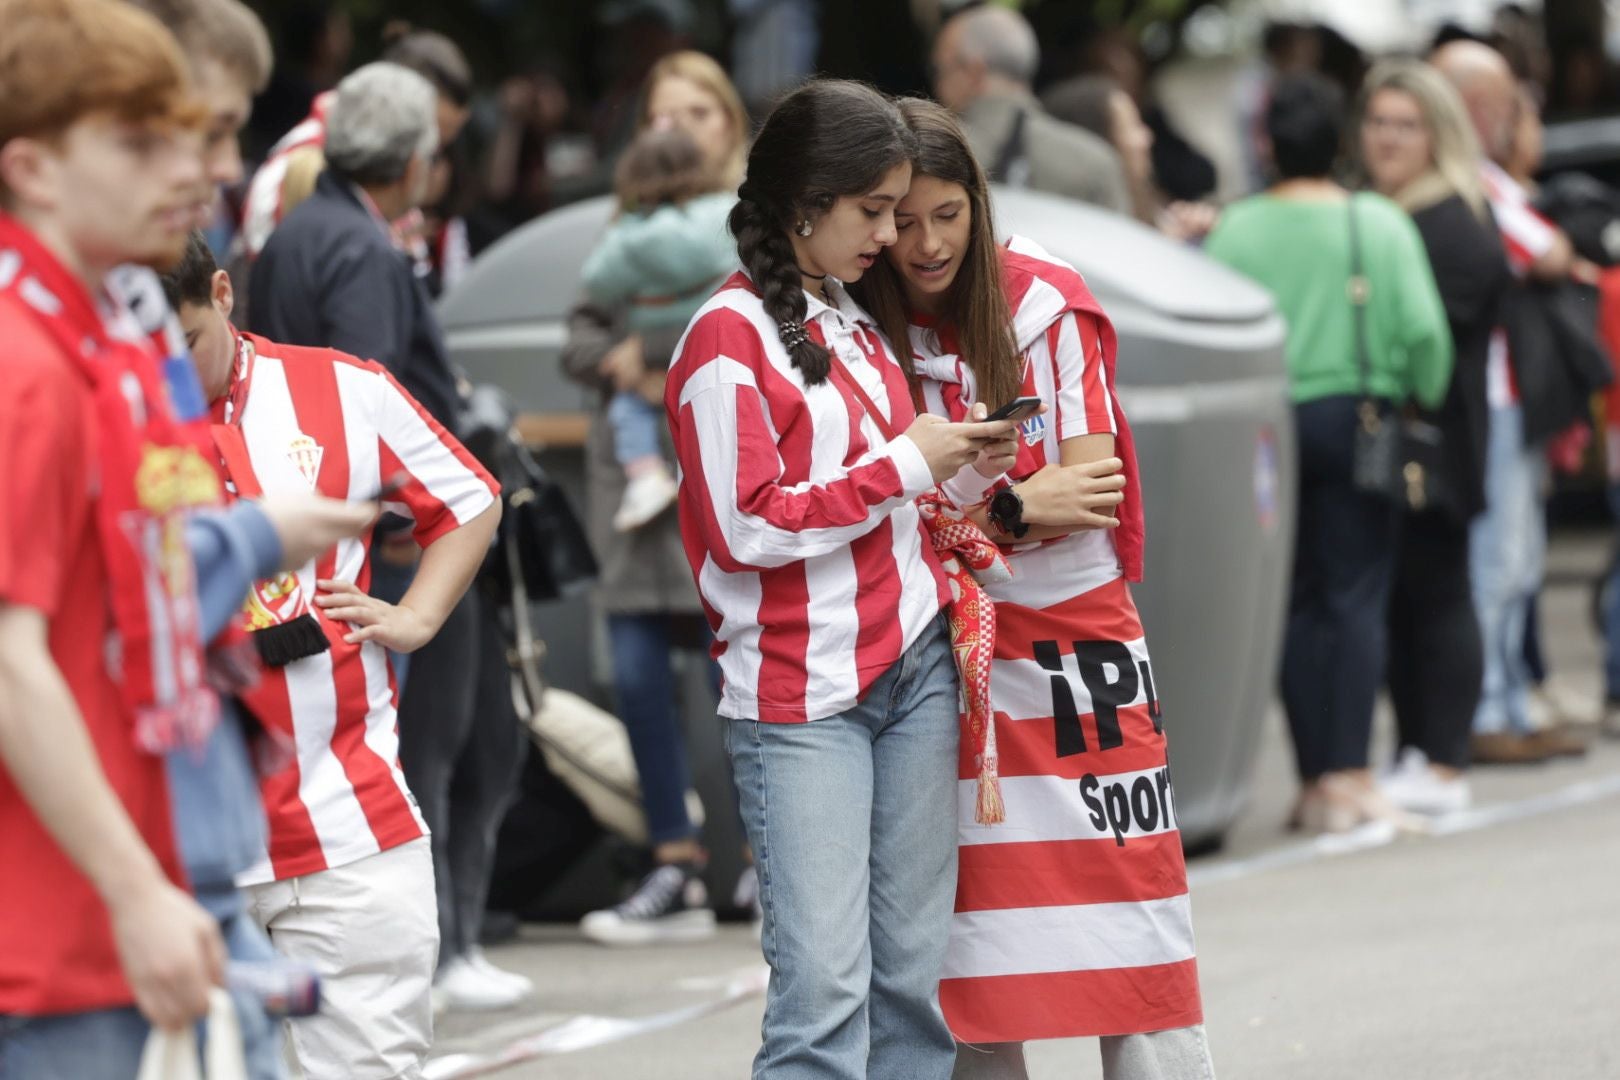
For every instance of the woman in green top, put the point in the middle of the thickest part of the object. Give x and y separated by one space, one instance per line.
1295 240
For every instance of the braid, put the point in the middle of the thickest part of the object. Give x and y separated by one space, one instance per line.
767 254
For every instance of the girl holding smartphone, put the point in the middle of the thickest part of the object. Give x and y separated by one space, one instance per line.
824 593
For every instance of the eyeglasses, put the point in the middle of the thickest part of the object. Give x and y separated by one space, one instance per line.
1385 125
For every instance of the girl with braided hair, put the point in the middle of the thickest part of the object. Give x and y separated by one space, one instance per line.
801 452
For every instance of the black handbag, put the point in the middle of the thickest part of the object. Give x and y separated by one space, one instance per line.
537 519
1396 455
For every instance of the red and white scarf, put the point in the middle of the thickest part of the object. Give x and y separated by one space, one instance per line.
150 473
969 559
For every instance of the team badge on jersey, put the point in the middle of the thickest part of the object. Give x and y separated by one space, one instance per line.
1034 430
305 454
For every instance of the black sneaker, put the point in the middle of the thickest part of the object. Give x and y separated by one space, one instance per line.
670 904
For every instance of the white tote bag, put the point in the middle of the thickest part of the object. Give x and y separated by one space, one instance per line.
172 1055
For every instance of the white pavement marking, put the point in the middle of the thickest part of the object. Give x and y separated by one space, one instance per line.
584 1032
1373 835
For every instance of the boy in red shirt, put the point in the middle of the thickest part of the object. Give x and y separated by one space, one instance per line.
102 669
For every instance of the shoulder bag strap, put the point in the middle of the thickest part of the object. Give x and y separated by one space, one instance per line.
1012 150
1358 289
853 385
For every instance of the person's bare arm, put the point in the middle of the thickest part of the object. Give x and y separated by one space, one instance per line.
448 567
169 947
1078 494
1556 263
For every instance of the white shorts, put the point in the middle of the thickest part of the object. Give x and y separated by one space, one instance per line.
371 929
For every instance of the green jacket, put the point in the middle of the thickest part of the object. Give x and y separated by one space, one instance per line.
663 264
1299 251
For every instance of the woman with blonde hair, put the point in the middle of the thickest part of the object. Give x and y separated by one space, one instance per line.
690 90
646 589
1417 146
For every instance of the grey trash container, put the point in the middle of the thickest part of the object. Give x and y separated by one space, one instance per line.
1202 379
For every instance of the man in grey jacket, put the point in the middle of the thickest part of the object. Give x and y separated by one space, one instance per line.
984 66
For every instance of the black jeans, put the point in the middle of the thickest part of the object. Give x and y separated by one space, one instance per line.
461 747
1344 555
1436 655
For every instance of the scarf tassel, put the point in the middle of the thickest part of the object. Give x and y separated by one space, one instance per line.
989 809
295 639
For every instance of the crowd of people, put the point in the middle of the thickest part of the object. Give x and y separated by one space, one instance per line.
257 723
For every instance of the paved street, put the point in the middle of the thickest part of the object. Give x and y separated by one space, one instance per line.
1492 951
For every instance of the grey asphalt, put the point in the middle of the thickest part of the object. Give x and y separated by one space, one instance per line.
1491 954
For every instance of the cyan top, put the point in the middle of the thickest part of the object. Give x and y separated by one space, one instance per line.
665 263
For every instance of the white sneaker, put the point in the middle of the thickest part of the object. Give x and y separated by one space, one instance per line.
481 964
645 497
1414 786
465 989
669 905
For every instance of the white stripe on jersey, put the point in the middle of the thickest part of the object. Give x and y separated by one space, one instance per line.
1082 937
1021 689
1051 809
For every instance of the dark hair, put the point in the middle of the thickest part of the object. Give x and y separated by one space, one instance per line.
1305 122
1084 101
192 279
434 57
977 299
827 139
660 167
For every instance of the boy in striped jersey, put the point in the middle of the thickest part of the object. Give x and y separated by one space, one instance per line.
347 882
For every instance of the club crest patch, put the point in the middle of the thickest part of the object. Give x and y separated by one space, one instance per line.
305 454
1034 430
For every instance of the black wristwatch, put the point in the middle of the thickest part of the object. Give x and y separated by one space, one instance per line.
1007 511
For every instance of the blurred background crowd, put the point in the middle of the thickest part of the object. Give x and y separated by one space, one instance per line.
1464 321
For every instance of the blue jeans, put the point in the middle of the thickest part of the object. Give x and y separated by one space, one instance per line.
644 682
1506 549
853 825
636 425
106 1044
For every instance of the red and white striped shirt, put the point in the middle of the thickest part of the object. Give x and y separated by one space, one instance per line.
1063 366
320 420
262 210
796 515
1526 236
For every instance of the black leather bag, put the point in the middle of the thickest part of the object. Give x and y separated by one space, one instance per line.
1397 455
537 518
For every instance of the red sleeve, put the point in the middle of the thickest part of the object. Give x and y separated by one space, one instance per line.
1085 404
446 486
43 484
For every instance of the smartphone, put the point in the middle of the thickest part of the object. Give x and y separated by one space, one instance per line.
1016 409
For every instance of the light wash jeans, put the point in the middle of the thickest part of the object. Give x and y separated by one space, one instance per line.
1507 548
1177 1054
636 424
853 825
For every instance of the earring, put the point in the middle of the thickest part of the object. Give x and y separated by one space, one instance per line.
804 228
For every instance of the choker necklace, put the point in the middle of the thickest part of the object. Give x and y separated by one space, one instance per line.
808 274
